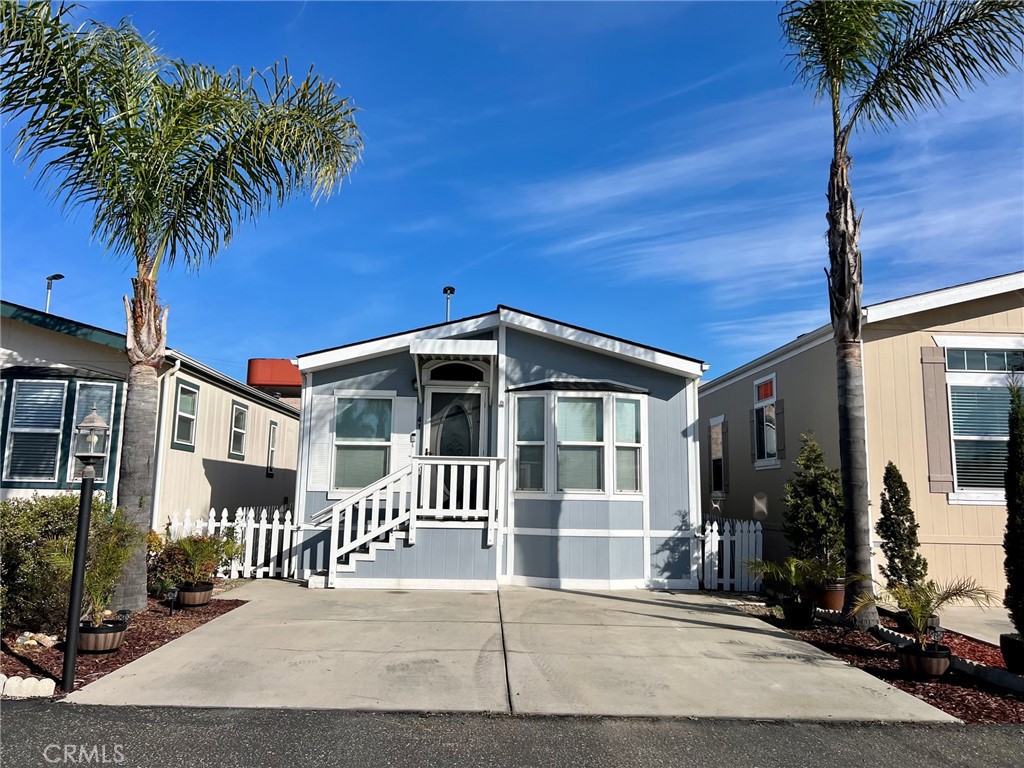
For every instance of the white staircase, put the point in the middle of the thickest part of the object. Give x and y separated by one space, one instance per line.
430 488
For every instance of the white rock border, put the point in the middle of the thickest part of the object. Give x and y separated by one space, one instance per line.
26 687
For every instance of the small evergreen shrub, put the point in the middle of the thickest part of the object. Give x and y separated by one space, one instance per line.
33 595
813 515
897 528
1013 540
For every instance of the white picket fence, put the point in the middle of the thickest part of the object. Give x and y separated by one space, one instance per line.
268 535
728 544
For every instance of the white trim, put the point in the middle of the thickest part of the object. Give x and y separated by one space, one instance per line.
602 584
461 348
693 459
622 349
645 483
337 494
987 341
447 584
714 421
944 297
329 358
502 445
767 464
469 388
232 429
666 584
675 533
166 403
601 533
976 379
977 498
182 385
630 389
305 446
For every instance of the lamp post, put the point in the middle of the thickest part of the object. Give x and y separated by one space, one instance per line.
449 291
49 287
90 447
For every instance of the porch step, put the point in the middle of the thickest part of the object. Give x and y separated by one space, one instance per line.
365 553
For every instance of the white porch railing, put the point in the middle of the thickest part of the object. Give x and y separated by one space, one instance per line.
728 544
430 487
267 535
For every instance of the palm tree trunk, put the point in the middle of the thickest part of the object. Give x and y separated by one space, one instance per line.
147 333
845 283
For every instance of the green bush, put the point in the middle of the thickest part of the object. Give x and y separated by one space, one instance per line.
813 516
33 595
897 528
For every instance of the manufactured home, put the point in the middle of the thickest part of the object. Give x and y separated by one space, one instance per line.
504 448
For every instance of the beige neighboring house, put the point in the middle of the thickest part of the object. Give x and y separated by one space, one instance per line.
936 367
220 443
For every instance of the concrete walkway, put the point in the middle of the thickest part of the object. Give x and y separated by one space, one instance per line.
525 651
980 623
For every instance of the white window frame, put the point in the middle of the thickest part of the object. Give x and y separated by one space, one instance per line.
337 492
608 464
717 495
773 462
179 414
271 448
616 444
975 496
530 443
232 429
113 408
11 430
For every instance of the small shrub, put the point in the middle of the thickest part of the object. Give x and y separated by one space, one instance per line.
33 595
897 528
189 560
813 515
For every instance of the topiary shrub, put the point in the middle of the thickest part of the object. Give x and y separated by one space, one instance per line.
813 515
1013 540
33 595
897 528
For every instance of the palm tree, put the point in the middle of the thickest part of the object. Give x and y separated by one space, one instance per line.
879 63
170 157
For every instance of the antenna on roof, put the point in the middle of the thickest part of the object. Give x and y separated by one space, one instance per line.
449 291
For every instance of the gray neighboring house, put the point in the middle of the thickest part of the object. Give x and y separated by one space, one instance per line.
504 448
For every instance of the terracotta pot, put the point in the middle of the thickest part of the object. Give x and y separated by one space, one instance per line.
831 596
102 639
194 595
924 663
1012 646
798 613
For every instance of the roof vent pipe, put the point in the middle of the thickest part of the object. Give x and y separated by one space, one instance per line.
449 291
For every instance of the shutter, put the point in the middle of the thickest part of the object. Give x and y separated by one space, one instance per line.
936 420
711 461
321 443
403 425
753 436
780 430
725 457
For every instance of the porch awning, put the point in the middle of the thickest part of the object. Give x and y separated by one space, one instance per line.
424 351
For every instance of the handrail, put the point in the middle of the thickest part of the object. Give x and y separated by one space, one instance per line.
324 513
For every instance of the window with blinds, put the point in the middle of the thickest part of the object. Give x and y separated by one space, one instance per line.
35 429
980 435
239 428
91 395
362 440
580 431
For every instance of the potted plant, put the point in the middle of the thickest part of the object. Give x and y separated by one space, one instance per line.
790 580
202 555
112 539
1012 644
827 579
927 658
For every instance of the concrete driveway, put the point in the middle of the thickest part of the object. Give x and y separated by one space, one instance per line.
525 651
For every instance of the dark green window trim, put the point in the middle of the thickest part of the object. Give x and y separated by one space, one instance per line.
176 444
232 454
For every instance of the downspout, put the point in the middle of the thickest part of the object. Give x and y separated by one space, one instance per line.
161 426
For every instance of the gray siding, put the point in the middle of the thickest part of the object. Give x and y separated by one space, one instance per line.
671 557
579 513
452 553
670 479
579 557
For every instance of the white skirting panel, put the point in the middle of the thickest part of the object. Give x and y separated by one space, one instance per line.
459 584
604 584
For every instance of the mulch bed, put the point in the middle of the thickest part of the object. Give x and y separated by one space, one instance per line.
146 632
963 696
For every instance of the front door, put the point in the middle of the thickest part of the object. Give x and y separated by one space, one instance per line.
455 426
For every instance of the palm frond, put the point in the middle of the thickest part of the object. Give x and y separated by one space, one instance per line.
939 51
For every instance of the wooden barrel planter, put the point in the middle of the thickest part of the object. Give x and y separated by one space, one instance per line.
195 595
105 638
924 663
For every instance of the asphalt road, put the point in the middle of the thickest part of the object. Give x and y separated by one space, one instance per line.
44 733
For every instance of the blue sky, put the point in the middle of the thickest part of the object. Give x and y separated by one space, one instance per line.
646 170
